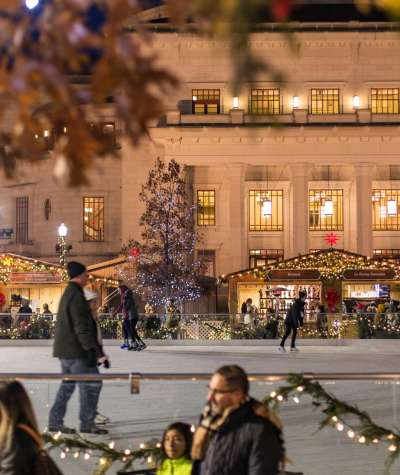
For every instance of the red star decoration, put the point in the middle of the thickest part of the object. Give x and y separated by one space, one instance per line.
134 252
331 238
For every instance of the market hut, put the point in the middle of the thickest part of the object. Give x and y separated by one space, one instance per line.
329 276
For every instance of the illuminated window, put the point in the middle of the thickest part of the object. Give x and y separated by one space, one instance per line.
262 257
265 210
382 219
325 101
93 219
381 254
206 101
384 101
265 101
319 219
206 208
21 221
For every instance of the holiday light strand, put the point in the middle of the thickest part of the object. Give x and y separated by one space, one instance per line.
335 413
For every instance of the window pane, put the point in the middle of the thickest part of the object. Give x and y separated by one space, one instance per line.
318 219
21 221
325 101
385 101
93 219
262 257
206 207
382 219
264 101
207 101
258 220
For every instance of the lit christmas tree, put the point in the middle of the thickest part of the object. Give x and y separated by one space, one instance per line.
165 262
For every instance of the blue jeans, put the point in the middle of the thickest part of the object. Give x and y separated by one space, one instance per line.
89 393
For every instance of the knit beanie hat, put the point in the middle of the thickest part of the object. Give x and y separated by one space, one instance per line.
75 268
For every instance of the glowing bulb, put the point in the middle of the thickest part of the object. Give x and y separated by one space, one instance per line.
142 445
111 444
351 433
300 388
103 461
127 452
339 426
362 439
63 455
280 397
296 399
31 4
334 419
86 456
273 394
76 455
375 441
392 448
192 428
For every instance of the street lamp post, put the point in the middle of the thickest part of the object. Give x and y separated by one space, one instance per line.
62 246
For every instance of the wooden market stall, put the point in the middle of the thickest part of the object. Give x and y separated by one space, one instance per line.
328 276
37 281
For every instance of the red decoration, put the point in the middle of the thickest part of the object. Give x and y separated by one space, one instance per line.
134 252
281 9
2 299
331 238
332 298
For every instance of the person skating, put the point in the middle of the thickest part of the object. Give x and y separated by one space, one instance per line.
294 320
132 340
75 344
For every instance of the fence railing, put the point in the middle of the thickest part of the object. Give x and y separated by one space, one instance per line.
213 326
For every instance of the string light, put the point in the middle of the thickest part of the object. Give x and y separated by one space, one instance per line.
351 434
392 448
86 456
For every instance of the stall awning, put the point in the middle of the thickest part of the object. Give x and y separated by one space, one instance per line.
329 263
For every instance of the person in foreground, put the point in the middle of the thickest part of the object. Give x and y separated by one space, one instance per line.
236 434
76 345
21 446
176 445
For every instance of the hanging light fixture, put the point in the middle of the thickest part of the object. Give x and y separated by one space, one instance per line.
391 204
266 208
328 203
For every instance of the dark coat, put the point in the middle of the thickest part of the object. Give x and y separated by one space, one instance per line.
294 316
246 444
75 330
129 306
21 457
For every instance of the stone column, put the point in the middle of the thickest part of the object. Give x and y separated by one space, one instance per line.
237 245
298 230
363 183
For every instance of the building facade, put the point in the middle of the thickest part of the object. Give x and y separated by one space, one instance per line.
275 172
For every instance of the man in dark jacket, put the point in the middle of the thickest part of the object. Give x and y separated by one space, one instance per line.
294 320
76 345
237 434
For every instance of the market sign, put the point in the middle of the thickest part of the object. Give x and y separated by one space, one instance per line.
34 278
293 274
369 274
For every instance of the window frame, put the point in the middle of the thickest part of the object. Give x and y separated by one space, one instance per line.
201 221
266 111
394 103
22 219
389 193
206 100
278 206
269 256
331 193
101 229
323 111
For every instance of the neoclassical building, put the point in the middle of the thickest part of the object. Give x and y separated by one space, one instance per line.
273 171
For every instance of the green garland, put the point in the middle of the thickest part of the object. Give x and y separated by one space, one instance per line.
335 412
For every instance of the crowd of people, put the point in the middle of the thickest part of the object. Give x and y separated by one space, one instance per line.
236 434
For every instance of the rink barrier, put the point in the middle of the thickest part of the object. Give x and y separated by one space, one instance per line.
135 379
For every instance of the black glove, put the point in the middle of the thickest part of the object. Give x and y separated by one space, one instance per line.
107 364
92 358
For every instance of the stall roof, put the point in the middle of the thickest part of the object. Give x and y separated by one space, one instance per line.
331 264
108 268
10 262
